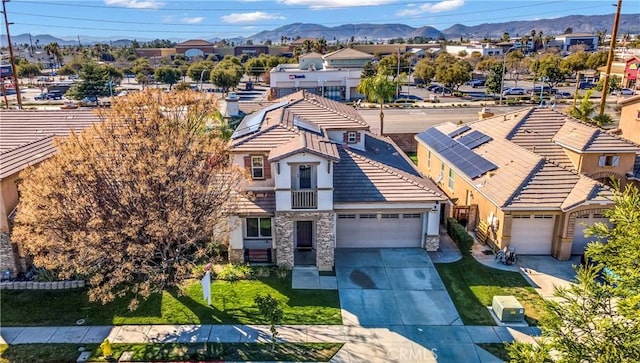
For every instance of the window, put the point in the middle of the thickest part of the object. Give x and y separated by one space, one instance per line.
368 216
452 177
346 216
258 227
390 216
257 167
352 137
441 172
608 160
429 159
411 215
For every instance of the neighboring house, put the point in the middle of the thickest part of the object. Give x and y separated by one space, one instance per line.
322 181
565 41
335 75
530 179
26 138
630 128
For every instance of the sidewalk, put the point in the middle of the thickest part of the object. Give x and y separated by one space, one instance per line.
395 343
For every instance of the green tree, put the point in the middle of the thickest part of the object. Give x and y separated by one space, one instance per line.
548 69
614 84
135 202
195 71
517 64
597 60
369 70
95 82
389 65
454 75
67 70
142 66
227 74
583 110
255 67
574 62
53 51
598 318
378 89
28 70
493 82
168 75
425 70
270 309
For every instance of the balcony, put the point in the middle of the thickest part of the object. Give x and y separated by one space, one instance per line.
304 199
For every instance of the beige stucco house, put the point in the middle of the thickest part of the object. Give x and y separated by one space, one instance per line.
530 180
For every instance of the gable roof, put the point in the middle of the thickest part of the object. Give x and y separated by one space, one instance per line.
533 171
313 55
195 43
26 137
305 143
584 138
347 53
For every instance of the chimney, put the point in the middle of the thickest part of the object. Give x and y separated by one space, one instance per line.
232 108
485 113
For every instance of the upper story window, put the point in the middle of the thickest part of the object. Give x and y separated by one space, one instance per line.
441 172
352 137
452 177
257 167
258 227
429 159
608 160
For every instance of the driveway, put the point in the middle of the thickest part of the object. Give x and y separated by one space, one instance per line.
545 273
382 287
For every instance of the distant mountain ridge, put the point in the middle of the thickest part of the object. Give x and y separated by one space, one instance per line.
629 23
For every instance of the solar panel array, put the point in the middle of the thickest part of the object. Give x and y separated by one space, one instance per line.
457 132
465 160
252 122
474 139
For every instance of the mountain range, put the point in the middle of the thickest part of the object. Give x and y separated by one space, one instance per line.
629 23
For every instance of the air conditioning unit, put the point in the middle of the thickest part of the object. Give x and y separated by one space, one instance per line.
508 309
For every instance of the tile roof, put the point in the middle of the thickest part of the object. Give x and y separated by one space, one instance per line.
258 202
533 170
348 53
311 55
26 137
306 142
584 138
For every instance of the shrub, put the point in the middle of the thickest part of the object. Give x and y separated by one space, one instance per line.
282 273
460 236
262 272
231 272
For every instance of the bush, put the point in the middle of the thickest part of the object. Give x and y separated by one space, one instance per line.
460 236
231 272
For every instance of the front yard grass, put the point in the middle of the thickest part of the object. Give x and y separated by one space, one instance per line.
232 303
497 349
472 286
41 353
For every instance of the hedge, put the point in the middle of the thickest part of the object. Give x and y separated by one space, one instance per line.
460 236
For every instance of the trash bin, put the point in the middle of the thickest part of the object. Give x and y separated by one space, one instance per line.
248 86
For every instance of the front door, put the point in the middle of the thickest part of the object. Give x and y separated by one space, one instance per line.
304 234
305 176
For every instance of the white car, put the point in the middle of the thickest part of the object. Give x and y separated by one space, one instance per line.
513 91
627 92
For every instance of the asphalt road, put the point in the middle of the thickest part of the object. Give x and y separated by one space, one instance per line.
415 120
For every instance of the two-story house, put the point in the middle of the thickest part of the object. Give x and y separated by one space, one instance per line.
322 181
531 180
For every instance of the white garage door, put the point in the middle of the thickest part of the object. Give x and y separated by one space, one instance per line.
375 230
532 234
579 240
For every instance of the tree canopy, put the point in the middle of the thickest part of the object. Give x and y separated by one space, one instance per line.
134 202
96 81
379 89
227 73
168 75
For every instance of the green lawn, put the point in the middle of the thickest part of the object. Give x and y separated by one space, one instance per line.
232 304
497 349
472 286
41 353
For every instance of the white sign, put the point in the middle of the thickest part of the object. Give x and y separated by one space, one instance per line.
206 286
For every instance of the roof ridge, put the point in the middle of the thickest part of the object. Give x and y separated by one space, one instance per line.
519 124
29 143
525 181
258 133
335 110
403 175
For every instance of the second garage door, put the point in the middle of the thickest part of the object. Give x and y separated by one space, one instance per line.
579 240
375 230
532 234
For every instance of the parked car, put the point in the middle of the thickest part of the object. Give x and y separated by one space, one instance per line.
40 97
627 92
409 97
513 91
442 90
585 85
564 95
89 101
476 83
542 89
54 95
432 86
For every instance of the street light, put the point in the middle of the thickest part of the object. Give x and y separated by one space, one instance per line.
201 75
504 62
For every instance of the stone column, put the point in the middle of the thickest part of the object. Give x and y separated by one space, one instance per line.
284 242
7 256
432 243
325 241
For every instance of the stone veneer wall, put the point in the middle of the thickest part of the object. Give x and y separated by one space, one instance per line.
324 237
432 243
7 257
236 256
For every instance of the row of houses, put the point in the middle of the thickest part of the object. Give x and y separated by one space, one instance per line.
529 180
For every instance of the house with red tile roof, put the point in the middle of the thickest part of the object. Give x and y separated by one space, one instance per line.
530 180
320 181
26 139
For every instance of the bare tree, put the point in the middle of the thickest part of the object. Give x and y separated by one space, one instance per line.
133 203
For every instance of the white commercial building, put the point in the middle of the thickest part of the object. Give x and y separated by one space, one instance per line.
486 50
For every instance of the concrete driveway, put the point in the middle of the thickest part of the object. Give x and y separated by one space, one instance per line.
382 287
545 272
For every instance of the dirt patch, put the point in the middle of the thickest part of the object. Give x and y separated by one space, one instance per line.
362 279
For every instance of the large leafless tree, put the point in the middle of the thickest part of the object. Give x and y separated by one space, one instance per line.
134 202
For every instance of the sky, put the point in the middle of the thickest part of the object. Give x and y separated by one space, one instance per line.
189 19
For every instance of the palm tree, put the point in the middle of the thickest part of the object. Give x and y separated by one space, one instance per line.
321 45
378 89
308 45
584 110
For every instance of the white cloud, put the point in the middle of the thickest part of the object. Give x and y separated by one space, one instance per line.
194 20
444 5
320 4
250 17
136 4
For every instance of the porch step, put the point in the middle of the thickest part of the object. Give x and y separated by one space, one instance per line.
305 271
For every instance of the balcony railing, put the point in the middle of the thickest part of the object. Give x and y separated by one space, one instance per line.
304 199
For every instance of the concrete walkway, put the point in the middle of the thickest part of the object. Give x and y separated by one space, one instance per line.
393 343
448 251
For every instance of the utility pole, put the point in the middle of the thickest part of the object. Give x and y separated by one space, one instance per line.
30 45
612 48
12 58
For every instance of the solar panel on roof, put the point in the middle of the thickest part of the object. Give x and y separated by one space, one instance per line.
474 139
457 132
467 161
252 122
